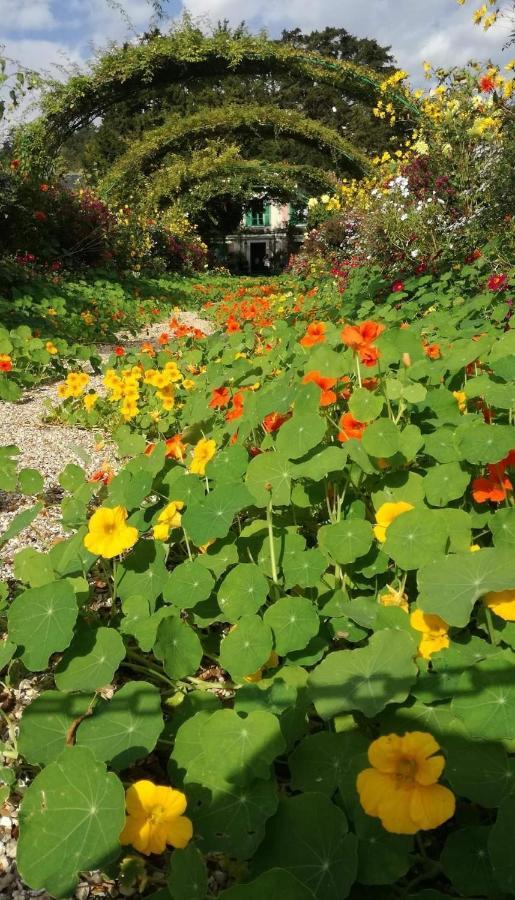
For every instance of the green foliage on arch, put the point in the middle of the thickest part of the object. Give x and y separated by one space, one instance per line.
144 157
186 53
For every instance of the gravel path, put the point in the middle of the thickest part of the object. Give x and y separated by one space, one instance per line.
49 448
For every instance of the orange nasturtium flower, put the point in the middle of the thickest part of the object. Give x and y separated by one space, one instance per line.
350 428
315 334
236 410
502 603
432 351
401 789
220 397
386 514
51 348
203 451
6 363
175 449
108 534
155 818
434 630
273 421
170 517
356 336
325 384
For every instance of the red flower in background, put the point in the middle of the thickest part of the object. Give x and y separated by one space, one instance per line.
44 188
432 351
487 84
40 216
497 282
496 486
220 398
397 286
236 410
15 164
119 351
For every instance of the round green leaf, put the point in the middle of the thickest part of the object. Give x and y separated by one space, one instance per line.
309 837
247 647
300 434
320 463
381 439
480 443
345 541
365 405
46 723
41 622
212 518
187 876
485 698
269 477
502 526
188 584
73 812
126 728
30 481
500 846
414 538
242 592
294 621
91 659
331 752
366 679
179 648
230 819
274 883
303 569
466 862
451 586
481 772
445 483
382 858
226 746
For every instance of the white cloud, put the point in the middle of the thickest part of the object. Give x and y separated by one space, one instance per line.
26 15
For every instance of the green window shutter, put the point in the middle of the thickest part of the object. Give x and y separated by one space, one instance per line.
292 217
248 219
266 215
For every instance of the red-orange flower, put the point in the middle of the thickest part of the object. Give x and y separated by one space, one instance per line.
220 398
236 410
6 363
356 336
350 428
325 384
119 351
273 421
315 334
164 338
487 84
497 282
368 355
232 326
432 351
494 488
175 449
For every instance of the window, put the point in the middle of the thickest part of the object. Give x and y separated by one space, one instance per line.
258 215
298 213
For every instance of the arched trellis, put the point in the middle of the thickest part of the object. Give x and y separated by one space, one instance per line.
184 55
242 178
145 156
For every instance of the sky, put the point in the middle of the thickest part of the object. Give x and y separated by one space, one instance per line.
54 35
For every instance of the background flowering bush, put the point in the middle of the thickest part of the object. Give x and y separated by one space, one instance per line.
446 191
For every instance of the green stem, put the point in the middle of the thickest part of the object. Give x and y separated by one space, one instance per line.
490 626
271 541
358 369
188 548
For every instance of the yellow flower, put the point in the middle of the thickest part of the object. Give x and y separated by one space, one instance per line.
89 401
202 453
154 818
474 548
188 384
434 632
401 788
461 399
271 663
386 514
51 348
502 603
421 147
108 535
394 598
129 410
169 517
63 391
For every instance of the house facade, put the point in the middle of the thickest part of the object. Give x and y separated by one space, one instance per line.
269 233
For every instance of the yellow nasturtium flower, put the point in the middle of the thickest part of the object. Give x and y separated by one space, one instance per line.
502 603
203 451
401 787
51 348
386 514
155 818
434 630
461 399
108 534
89 401
170 517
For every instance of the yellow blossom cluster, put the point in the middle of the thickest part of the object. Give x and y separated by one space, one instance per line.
126 388
74 386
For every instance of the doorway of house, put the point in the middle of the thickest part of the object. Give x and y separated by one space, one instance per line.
257 257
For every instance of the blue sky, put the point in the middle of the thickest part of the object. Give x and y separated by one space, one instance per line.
52 34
